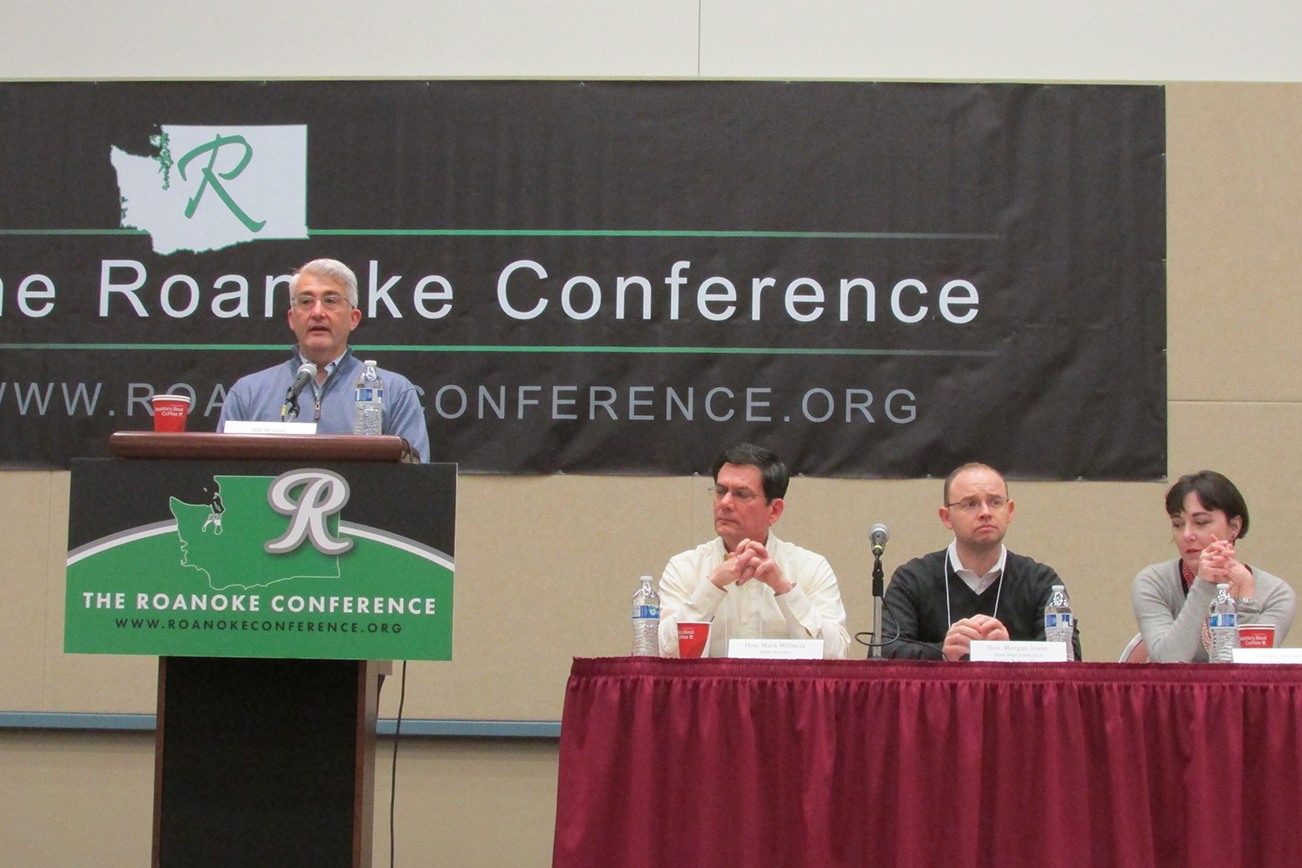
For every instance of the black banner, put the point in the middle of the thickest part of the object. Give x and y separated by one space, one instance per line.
611 277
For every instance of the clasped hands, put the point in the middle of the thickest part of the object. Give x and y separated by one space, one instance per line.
1218 563
958 641
750 560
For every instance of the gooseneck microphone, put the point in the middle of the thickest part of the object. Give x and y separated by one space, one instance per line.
879 535
306 374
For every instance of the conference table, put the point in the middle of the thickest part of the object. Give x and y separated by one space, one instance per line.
723 763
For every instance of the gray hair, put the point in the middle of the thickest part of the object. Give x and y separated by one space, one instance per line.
330 269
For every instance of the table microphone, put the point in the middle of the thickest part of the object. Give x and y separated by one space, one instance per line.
879 535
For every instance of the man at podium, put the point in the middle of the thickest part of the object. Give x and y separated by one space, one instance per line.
322 314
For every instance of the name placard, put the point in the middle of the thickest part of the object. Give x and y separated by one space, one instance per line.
239 427
1019 651
776 649
1268 655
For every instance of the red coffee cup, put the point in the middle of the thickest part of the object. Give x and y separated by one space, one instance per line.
693 639
1256 635
170 412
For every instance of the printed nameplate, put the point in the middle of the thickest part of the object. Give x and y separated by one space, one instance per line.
776 649
1268 655
1019 651
237 427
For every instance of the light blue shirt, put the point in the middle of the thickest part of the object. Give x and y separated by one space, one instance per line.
259 397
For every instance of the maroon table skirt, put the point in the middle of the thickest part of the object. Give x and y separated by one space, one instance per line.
725 763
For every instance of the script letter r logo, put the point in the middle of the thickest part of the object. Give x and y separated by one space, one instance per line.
213 178
321 494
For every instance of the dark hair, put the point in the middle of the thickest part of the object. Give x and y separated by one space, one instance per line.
772 470
1214 492
971 465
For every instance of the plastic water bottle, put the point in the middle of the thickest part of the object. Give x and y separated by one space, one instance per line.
368 401
1059 624
646 620
1223 626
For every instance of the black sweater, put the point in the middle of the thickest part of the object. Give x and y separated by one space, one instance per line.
915 604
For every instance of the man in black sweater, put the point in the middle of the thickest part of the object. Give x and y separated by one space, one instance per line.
974 589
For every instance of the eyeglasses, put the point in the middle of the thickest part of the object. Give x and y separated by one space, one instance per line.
741 495
972 504
331 301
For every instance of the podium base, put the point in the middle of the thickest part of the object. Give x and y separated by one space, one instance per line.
264 762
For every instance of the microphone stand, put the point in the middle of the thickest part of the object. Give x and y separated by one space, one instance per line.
875 649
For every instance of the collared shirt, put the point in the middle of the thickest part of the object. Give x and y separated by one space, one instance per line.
978 584
260 395
812 609
319 383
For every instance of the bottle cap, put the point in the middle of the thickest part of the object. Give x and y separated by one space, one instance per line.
1222 586
370 362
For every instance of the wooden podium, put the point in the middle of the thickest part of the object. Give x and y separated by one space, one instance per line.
262 760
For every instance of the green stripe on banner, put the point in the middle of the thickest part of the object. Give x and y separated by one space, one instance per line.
568 233
500 348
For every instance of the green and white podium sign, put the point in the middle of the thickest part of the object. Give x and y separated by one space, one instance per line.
347 560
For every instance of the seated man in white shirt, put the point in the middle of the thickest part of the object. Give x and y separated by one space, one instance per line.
748 583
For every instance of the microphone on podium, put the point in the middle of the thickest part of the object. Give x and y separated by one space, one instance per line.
306 374
879 535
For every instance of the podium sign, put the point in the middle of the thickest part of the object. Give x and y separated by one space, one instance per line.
346 560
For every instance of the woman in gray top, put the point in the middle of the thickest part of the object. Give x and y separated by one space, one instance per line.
1208 517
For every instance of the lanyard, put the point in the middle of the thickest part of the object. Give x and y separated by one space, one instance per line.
999 590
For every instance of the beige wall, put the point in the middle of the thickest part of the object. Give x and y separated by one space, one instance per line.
1235 404
85 799
996 40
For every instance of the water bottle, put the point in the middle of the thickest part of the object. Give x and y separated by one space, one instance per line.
646 620
368 401
1058 621
1222 626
